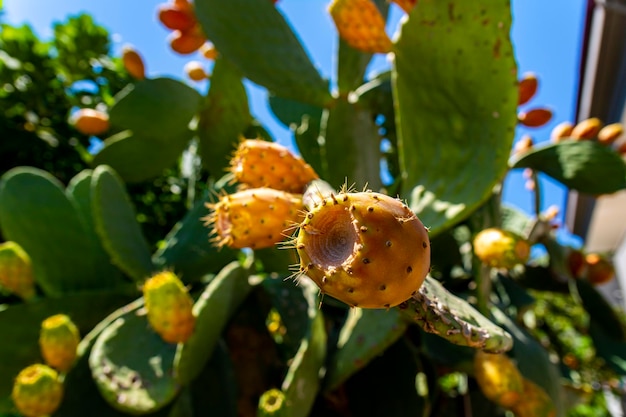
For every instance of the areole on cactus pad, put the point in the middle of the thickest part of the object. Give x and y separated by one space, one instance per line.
365 249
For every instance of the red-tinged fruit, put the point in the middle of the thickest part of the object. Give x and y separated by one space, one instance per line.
37 391
58 341
90 122
187 42
576 263
16 270
500 248
361 25
535 117
176 18
365 249
610 133
561 131
600 270
498 378
528 86
169 307
406 5
258 163
133 62
208 51
255 218
195 71
587 129
535 402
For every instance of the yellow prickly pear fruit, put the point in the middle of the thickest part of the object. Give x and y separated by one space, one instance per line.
361 25
587 129
272 403
535 402
133 62
498 378
406 5
365 249
500 248
560 131
258 163
527 88
58 341
524 145
610 133
169 307
255 218
37 391
16 271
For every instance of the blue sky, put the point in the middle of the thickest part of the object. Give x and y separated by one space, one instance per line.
547 36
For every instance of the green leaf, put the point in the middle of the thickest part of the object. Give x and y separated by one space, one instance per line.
36 213
611 350
213 309
132 366
224 117
259 41
585 166
365 335
117 226
159 108
188 250
600 310
454 80
21 324
137 158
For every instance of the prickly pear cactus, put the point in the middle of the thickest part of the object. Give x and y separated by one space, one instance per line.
37 391
16 271
366 249
58 340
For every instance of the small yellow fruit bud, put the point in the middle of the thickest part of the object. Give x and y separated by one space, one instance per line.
610 133
587 129
500 248
37 391
361 25
560 131
58 340
195 71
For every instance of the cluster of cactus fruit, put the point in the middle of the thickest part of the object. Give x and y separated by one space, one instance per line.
422 275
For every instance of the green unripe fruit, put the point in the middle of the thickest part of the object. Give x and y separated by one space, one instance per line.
37 391
16 271
501 249
58 340
272 404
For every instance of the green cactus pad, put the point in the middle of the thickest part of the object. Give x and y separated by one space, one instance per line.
187 248
212 310
438 311
138 158
36 214
611 350
364 335
599 310
132 366
79 191
224 116
259 41
455 127
586 166
115 221
20 324
145 107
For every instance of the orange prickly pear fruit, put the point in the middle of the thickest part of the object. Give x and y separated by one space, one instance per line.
525 144
258 163
195 71
610 133
576 263
90 122
500 248
176 18
208 50
361 25
37 391
365 249
498 378
527 88
535 402
16 270
599 269
58 341
560 131
187 42
133 62
535 117
406 5
169 307
587 129
255 218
